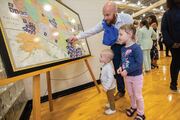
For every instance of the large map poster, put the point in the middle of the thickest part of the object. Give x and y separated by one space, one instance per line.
35 32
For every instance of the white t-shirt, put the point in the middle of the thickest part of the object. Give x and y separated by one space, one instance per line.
107 77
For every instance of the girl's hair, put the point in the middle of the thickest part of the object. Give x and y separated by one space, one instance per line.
145 23
153 19
135 22
129 27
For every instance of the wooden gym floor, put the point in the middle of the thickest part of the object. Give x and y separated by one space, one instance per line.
160 102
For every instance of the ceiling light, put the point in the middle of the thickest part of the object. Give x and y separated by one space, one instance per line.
139 3
160 17
161 7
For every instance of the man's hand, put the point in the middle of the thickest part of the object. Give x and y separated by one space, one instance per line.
176 45
124 73
119 70
72 39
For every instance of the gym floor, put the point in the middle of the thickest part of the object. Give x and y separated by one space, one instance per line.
160 102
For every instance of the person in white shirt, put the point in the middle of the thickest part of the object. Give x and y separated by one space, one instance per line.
107 79
114 20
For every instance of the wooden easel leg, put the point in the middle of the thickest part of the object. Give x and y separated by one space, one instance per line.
36 98
48 76
92 75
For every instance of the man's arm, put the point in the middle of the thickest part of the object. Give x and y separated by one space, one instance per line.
125 19
128 19
97 29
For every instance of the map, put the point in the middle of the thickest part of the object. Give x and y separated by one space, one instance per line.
36 31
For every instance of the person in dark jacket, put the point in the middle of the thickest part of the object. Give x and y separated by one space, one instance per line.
171 34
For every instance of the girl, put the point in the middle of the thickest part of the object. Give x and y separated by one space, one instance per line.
154 51
131 70
144 39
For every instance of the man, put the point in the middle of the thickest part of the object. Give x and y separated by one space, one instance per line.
171 33
111 18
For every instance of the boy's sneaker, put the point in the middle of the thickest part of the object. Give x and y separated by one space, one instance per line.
110 112
107 106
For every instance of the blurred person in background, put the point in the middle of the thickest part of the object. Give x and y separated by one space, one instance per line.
144 39
170 28
154 51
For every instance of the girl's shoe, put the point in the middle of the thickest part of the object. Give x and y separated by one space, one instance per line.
140 117
109 111
130 112
154 66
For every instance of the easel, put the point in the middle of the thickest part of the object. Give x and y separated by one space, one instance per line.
48 77
36 85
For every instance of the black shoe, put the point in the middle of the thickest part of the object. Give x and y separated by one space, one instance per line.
140 117
173 88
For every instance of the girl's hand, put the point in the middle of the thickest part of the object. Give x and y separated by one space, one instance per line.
124 73
119 70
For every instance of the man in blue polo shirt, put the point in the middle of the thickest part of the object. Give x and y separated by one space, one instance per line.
110 25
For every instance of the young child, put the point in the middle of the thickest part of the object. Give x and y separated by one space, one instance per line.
107 80
131 70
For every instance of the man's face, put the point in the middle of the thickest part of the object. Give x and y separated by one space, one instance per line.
109 17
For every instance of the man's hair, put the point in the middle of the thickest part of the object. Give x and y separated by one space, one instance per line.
112 5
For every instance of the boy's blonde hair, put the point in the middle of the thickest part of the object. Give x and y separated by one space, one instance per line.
129 27
109 53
